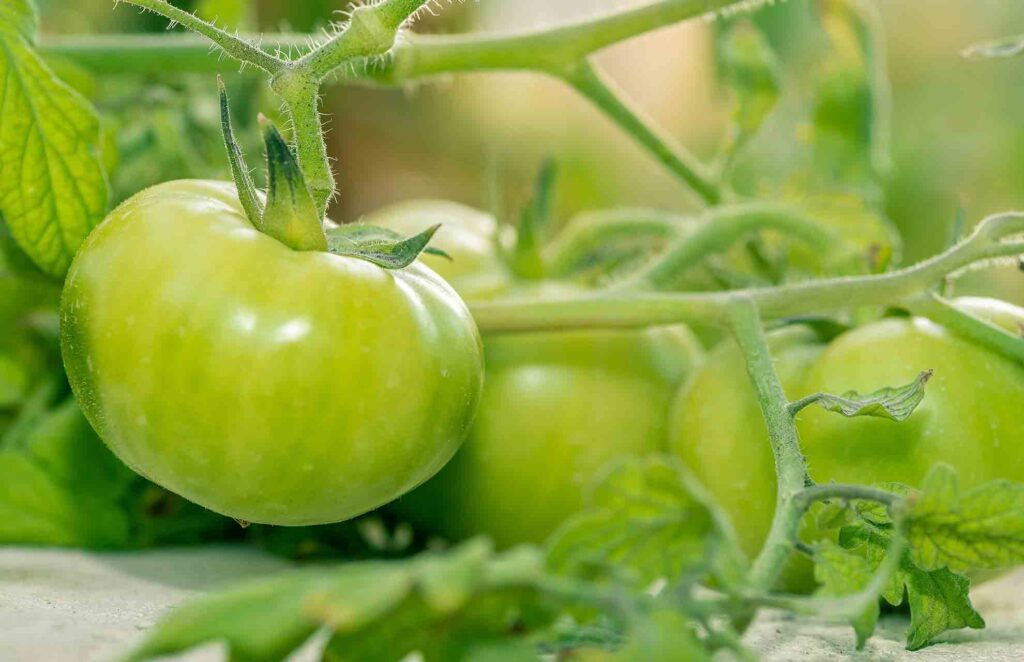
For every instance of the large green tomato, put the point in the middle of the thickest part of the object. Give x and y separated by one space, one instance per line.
970 416
557 408
266 384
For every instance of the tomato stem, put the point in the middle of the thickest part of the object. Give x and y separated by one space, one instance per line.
631 309
235 46
723 227
790 466
367 48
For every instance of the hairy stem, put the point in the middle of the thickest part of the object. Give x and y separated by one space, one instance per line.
371 31
600 91
629 309
301 95
587 234
790 467
233 45
962 323
548 50
723 227
815 493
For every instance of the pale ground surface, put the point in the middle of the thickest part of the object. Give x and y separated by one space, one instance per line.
60 606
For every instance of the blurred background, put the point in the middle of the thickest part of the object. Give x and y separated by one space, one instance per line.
957 138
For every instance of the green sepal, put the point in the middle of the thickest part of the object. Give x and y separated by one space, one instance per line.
247 194
534 219
291 216
381 246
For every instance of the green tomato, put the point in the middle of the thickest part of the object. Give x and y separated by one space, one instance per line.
266 384
557 408
969 417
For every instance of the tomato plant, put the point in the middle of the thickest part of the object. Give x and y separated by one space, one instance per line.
253 378
718 432
236 348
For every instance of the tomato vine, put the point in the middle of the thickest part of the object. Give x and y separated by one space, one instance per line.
374 45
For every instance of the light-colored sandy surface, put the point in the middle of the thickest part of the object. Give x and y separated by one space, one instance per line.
61 606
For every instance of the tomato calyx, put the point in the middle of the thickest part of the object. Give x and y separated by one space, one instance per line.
290 214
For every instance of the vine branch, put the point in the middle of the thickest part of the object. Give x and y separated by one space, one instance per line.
629 309
235 46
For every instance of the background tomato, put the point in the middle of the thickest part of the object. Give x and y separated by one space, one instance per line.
969 417
556 408
266 384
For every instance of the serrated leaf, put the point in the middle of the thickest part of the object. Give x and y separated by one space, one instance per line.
649 519
892 403
381 246
842 573
1001 48
53 190
939 600
981 529
751 69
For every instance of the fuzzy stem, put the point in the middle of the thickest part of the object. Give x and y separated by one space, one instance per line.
790 467
601 92
371 31
721 229
629 309
233 45
977 330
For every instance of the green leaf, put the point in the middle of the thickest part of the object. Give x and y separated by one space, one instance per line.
263 620
1001 48
651 520
469 603
939 600
892 403
290 216
751 69
842 573
381 246
53 189
61 486
981 529
13 382
662 635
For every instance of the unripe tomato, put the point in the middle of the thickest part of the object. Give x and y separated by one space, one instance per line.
969 417
267 384
557 408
